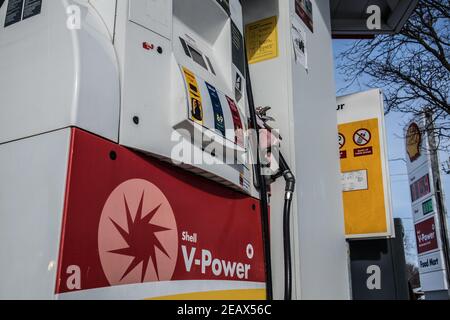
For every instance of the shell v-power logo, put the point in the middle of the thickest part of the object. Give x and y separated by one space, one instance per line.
138 241
133 236
138 237
135 222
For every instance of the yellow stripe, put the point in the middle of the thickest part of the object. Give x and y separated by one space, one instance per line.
253 294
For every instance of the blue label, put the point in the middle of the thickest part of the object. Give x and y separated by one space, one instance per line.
219 119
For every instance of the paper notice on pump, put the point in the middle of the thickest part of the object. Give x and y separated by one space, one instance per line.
262 40
299 43
354 181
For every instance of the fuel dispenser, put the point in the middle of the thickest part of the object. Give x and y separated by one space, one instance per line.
161 74
194 50
124 122
99 100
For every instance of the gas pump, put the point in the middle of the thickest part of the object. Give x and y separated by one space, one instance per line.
126 123
132 120
196 52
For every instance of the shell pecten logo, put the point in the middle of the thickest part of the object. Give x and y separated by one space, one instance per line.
138 235
413 142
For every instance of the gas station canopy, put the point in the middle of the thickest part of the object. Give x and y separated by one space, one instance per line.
349 17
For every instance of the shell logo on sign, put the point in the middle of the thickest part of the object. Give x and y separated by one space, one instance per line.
413 142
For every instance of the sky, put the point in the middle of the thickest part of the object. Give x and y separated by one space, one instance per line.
395 123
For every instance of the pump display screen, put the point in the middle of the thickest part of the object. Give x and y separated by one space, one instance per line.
197 57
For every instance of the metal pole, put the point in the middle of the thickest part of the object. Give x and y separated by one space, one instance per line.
438 190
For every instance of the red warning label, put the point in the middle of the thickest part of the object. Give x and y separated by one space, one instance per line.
361 152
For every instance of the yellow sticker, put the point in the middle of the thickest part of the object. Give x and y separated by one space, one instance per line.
195 97
262 40
362 178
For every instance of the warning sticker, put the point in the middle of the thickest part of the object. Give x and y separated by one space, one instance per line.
14 12
304 10
195 98
361 152
238 54
219 119
238 127
32 8
362 137
19 10
262 40
341 139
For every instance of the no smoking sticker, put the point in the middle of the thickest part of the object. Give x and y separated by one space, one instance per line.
341 140
362 137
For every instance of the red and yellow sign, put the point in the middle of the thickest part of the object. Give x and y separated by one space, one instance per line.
195 97
137 228
364 194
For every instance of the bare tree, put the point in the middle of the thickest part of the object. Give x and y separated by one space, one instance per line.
412 67
409 241
412 274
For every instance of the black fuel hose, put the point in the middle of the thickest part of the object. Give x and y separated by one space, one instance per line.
261 181
289 177
290 188
287 250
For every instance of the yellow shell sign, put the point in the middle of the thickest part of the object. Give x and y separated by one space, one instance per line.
362 178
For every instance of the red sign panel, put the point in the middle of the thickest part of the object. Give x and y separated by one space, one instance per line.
361 152
304 10
237 121
130 219
420 188
426 236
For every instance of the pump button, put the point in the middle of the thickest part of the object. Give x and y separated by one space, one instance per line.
147 46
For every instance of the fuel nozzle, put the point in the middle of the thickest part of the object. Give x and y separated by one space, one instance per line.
284 171
288 177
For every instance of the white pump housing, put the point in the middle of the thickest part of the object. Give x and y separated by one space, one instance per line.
52 77
158 76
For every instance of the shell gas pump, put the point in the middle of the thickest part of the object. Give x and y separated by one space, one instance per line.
125 127
136 162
